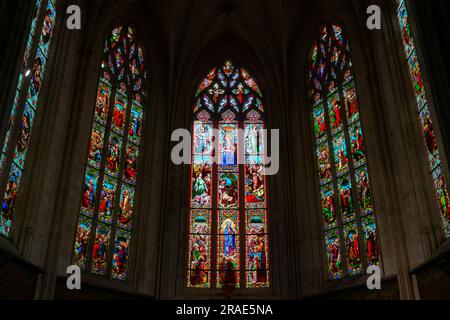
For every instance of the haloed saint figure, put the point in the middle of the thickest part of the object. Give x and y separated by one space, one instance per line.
228 148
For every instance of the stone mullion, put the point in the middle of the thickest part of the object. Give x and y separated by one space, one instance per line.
242 211
136 227
214 192
264 152
214 209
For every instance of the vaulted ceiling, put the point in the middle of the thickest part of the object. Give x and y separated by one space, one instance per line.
189 30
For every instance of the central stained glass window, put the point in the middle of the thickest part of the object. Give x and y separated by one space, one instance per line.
228 237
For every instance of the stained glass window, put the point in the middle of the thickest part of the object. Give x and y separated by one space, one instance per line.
349 223
425 119
228 236
107 203
24 108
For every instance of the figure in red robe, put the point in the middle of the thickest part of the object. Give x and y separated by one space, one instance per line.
118 118
429 136
96 250
103 205
88 196
113 156
352 103
342 159
130 170
329 210
323 125
337 113
448 211
261 276
86 203
240 94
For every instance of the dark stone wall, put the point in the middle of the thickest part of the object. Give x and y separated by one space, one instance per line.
433 276
434 281
18 279
389 291
93 292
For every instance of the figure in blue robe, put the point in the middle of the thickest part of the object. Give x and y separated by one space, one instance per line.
230 240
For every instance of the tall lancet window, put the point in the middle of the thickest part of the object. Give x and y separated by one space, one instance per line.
24 108
107 202
349 224
228 238
436 167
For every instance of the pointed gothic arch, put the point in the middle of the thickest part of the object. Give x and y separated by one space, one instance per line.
105 225
349 222
228 232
